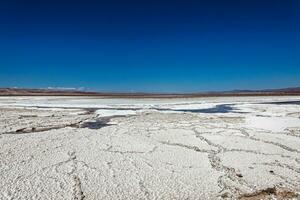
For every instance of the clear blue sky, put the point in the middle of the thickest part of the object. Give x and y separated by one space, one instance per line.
150 45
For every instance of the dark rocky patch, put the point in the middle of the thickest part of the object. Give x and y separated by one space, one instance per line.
270 193
27 116
96 124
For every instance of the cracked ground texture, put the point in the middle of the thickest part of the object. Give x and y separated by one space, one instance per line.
50 154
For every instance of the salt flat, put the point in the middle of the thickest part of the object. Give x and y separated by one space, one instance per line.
198 148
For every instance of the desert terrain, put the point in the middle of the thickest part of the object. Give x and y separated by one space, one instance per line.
92 148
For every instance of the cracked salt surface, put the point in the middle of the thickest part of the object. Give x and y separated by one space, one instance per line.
75 148
275 124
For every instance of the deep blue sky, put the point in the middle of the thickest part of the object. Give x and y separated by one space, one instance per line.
158 45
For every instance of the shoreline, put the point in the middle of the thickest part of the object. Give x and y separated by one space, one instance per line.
146 96
14 92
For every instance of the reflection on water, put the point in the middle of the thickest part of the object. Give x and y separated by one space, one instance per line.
283 103
223 108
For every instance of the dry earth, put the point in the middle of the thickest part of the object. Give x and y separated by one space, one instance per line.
165 153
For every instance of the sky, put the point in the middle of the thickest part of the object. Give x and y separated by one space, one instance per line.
150 45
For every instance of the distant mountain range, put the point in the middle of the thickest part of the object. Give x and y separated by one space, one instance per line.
74 92
291 89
